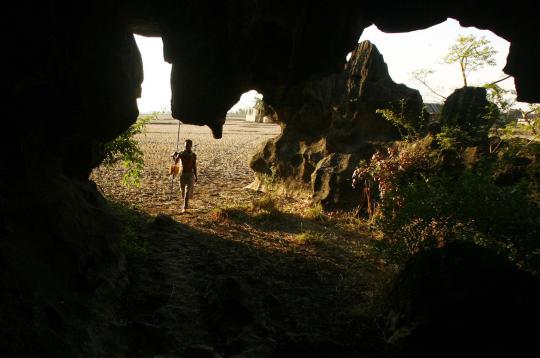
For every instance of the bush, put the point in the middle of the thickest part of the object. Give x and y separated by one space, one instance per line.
126 149
420 203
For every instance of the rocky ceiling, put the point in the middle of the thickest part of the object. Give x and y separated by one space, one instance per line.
222 49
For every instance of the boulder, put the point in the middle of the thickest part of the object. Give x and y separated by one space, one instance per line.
468 109
328 125
460 300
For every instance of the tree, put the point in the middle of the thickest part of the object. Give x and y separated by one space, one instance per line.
504 99
471 54
421 76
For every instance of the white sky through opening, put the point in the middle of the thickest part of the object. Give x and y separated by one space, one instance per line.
403 52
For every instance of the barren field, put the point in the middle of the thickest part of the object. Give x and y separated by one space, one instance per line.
223 166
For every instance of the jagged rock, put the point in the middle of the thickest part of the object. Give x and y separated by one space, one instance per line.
328 125
463 299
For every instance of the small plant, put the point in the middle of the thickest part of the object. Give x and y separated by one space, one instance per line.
315 213
265 204
409 128
310 238
125 148
270 181
453 137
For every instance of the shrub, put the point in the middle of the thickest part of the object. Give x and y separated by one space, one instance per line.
409 126
420 203
126 149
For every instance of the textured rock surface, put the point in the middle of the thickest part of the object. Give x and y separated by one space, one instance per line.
330 123
234 46
469 109
463 299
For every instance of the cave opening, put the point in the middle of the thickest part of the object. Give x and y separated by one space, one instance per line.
223 164
411 54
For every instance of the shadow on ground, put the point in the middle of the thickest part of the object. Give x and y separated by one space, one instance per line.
196 294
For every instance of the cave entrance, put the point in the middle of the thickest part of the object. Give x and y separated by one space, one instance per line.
223 164
224 171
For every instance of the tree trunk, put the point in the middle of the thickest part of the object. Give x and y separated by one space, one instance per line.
463 74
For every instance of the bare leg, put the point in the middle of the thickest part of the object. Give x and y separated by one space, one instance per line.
189 191
183 185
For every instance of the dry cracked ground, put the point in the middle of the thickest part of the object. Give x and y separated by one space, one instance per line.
241 273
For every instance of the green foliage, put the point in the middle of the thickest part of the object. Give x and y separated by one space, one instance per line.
471 54
503 98
408 127
452 137
126 149
422 204
265 204
532 120
316 213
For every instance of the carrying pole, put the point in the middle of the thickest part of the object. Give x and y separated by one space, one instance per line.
172 175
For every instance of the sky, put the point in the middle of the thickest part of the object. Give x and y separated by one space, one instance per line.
403 52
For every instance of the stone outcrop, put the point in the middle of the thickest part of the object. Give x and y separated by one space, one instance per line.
328 125
467 108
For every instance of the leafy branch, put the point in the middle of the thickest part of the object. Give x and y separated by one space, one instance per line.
125 149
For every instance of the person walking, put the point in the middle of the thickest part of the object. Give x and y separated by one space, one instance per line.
188 174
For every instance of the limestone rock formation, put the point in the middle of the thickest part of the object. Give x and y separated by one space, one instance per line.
467 108
328 125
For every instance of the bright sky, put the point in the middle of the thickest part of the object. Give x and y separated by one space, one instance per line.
403 52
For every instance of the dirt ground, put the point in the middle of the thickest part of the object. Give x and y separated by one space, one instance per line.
240 271
223 166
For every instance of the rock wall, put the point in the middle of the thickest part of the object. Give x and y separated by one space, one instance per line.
73 81
328 125
231 47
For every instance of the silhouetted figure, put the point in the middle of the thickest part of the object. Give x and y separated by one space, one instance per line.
188 175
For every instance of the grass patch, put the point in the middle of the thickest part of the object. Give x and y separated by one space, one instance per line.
324 241
316 213
266 204
229 213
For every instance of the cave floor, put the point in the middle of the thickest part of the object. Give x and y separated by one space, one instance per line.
235 276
